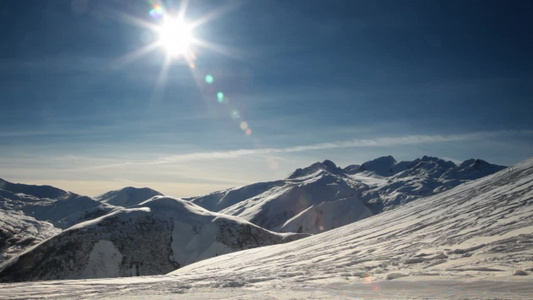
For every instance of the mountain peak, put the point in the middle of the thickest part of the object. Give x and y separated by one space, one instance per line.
327 165
39 191
475 163
473 168
128 196
165 205
382 166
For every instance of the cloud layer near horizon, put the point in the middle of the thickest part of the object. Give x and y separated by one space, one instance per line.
354 143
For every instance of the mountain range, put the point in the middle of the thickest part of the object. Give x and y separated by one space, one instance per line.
471 242
323 196
46 228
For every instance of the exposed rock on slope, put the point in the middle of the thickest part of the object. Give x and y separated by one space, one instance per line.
19 232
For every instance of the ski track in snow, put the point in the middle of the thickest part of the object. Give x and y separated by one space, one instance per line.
466 243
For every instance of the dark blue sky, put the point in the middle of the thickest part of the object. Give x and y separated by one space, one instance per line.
344 80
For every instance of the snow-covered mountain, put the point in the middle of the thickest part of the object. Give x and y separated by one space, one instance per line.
323 196
38 191
45 203
155 237
409 180
296 204
472 242
382 166
128 196
32 213
314 199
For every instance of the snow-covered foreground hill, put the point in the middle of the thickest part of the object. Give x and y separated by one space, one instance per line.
472 242
155 237
30 214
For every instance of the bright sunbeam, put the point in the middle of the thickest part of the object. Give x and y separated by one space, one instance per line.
176 37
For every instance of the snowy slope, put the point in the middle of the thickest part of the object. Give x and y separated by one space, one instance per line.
472 242
128 196
481 229
220 200
155 237
323 196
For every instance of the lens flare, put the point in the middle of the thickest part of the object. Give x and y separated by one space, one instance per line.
157 12
272 163
220 97
368 279
170 31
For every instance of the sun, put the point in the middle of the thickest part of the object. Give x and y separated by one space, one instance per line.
176 37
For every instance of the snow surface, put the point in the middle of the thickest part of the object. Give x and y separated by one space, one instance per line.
315 219
471 242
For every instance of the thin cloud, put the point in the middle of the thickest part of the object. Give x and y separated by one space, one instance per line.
377 142
354 143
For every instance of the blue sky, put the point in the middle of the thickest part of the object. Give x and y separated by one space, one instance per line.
342 80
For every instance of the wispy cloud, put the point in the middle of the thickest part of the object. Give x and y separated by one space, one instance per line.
354 143
201 172
134 160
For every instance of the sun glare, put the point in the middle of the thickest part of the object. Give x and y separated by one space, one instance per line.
176 37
